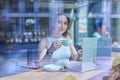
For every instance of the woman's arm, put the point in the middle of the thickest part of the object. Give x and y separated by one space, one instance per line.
74 53
42 48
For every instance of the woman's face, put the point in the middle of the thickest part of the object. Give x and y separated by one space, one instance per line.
61 24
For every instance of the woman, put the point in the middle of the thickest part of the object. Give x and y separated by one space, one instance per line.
53 44
115 71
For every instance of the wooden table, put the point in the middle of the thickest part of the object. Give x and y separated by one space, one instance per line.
52 75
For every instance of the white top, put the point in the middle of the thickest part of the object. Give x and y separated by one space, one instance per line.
61 55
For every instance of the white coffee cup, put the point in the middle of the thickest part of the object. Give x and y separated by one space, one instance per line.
66 42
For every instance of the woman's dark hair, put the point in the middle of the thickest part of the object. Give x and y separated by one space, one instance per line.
66 33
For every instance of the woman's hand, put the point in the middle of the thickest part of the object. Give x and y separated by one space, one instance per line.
113 75
80 53
55 45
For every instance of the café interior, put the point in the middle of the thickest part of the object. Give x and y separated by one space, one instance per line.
23 23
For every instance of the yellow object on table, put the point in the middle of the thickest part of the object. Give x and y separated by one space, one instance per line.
70 77
38 70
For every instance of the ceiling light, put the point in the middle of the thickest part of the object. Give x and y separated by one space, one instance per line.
76 3
53 1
